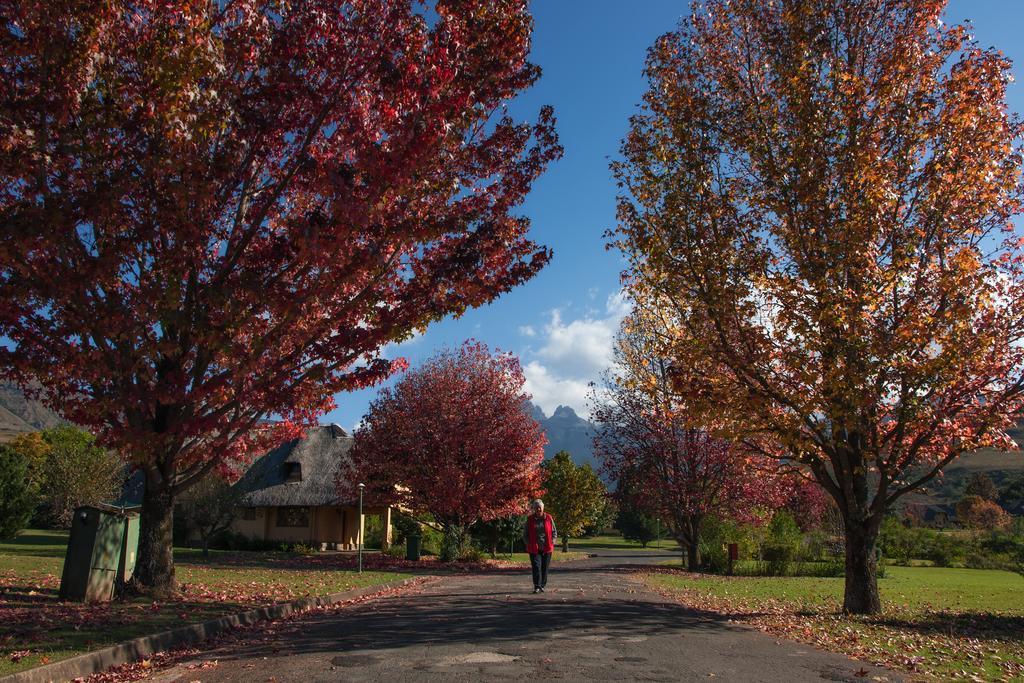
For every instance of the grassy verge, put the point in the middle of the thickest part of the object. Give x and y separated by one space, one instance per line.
937 623
39 628
619 543
557 556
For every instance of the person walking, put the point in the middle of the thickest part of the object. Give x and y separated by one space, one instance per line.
540 535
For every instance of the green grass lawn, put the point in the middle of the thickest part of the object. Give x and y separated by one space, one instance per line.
557 556
609 542
39 628
945 623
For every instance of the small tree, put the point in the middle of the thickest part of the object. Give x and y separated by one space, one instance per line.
637 526
454 439
208 509
573 494
35 450
498 533
76 472
974 512
981 485
665 466
605 517
17 493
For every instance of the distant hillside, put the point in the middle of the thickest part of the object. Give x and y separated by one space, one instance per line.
567 431
19 414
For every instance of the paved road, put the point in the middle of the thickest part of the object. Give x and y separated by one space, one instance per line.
594 622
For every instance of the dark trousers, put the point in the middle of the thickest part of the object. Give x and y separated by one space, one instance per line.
539 565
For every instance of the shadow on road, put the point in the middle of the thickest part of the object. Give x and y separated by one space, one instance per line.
487 618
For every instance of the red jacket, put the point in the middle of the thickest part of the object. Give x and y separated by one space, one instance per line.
546 544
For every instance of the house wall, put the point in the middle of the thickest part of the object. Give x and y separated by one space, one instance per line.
253 528
327 524
290 534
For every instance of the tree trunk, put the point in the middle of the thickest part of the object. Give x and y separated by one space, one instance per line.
861 593
206 546
565 544
693 557
693 549
154 570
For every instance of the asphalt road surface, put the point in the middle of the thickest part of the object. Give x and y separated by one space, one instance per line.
594 623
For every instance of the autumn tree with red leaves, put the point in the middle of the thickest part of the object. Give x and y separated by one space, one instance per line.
218 212
823 194
665 466
452 439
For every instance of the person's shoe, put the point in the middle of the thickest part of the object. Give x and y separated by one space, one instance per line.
536 590
542 589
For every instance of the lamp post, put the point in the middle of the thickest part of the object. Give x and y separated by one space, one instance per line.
361 487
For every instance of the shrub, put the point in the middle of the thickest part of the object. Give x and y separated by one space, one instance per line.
405 526
945 550
453 543
470 553
17 494
374 532
232 540
777 558
901 543
431 543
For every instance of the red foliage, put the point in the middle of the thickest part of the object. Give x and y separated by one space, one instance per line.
808 502
453 439
672 471
218 212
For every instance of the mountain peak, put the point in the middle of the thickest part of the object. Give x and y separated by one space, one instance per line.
565 412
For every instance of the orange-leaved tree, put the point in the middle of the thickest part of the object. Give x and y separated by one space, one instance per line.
218 212
822 194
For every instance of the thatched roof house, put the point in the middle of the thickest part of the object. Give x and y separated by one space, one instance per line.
299 472
290 494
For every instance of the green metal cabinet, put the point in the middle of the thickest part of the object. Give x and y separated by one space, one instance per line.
99 556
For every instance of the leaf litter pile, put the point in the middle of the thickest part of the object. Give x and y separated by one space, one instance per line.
929 642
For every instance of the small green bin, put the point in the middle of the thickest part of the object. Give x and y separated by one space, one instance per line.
412 547
98 558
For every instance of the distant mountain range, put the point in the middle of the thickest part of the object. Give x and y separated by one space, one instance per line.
567 431
19 414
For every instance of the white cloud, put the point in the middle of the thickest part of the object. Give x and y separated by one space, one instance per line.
550 390
574 353
527 331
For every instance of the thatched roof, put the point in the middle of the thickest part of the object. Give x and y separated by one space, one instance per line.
320 456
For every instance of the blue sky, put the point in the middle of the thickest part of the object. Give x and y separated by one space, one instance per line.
561 323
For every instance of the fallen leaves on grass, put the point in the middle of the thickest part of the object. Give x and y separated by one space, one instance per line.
926 641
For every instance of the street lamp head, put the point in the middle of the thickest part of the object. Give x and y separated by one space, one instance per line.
361 486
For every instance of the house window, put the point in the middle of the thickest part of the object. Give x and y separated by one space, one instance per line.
248 514
293 516
292 472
